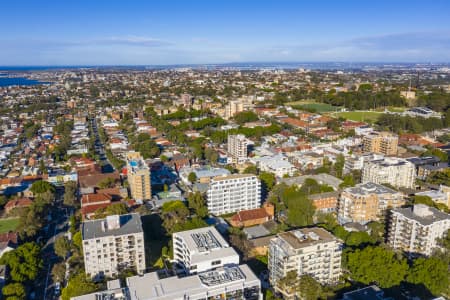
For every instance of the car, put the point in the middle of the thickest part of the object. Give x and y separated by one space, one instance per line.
57 288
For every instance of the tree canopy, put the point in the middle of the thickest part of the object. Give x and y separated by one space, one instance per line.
24 262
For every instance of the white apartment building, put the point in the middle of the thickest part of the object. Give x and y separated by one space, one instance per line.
276 164
312 251
201 250
232 193
395 171
113 244
416 229
235 282
238 147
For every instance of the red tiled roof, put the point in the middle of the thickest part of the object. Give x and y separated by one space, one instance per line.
21 202
9 237
252 214
92 199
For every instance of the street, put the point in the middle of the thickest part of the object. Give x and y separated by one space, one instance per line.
44 285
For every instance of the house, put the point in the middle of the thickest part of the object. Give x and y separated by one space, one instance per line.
252 217
8 241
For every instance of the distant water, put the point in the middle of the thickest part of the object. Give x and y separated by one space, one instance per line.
9 81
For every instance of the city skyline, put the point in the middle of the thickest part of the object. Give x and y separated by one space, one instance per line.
176 32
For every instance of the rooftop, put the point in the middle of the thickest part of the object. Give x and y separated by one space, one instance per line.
423 214
128 224
370 188
305 237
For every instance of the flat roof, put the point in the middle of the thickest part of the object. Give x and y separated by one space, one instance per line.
150 286
305 237
370 188
129 224
431 215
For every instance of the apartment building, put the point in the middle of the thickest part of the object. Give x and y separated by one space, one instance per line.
416 229
238 147
232 193
138 174
201 250
367 202
113 244
234 282
233 107
397 172
381 142
312 251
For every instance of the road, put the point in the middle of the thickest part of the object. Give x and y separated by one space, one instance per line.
107 167
58 226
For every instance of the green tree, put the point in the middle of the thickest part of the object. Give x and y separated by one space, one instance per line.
309 288
77 240
107 182
376 231
70 189
24 262
245 116
339 165
268 180
113 209
348 181
14 291
356 238
78 285
62 246
59 271
211 155
431 272
40 187
172 213
301 210
251 170
192 177
377 265
197 202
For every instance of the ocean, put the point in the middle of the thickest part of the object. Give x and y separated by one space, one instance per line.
10 81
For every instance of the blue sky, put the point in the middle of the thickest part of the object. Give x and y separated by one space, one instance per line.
101 32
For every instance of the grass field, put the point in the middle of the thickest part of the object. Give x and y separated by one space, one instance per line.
311 105
9 224
360 116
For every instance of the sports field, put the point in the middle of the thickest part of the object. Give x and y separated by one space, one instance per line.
311 105
360 116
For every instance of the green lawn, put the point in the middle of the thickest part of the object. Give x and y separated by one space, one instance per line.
9 224
360 116
311 105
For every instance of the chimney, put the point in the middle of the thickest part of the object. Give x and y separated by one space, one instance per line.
270 209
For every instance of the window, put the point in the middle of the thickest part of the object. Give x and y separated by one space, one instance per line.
215 263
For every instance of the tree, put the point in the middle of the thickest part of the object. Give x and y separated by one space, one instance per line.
268 180
289 283
78 285
70 189
198 203
59 271
192 177
245 116
376 231
62 246
309 288
339 165
251 170
107 182
300 209
431 272
24 262
239 240
172 213
377 265
14 291
356 238
211 155
113 209
40 187
349 181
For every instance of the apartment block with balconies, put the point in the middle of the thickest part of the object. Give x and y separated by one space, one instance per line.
113 244
416 229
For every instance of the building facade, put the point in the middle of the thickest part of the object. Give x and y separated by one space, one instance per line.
312 251
201 250
381 142
138 177
397 172
238 147
367 202
416 229
113 244
233 193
